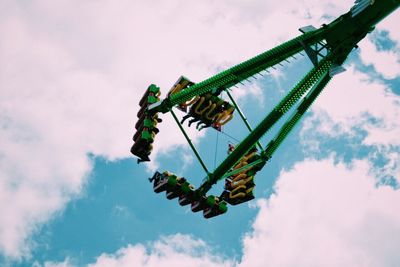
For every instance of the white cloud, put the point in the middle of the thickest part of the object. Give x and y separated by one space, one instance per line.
385 62
326 214
390 24
350 101
321 214
175 251
253 92
66 263
356 106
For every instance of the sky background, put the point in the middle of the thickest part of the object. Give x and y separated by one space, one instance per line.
71 194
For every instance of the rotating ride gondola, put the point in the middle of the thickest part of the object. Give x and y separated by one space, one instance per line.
326 47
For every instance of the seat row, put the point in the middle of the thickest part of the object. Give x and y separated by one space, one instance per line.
239 187
146 126
179 187
208 110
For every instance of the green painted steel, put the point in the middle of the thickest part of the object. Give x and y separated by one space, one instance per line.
295 94
300 89
259 162
300 111
346 31
242 71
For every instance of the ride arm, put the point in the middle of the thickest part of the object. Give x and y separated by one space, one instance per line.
294 95
242 71
342 35
295 118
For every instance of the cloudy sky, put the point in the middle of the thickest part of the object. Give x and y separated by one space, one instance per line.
71 76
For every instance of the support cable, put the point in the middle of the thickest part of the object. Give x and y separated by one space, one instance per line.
190 142
230 136
216 151
244 119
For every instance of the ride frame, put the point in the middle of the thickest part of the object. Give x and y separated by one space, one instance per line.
337 39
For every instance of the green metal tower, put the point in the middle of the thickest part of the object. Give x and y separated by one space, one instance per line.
327 47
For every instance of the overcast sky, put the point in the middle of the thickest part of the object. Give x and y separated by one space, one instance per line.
71 77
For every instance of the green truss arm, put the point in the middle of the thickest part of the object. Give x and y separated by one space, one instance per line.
289 125
341 35
291 98
242 71
258 162
298 114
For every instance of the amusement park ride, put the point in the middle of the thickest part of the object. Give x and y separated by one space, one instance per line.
327 48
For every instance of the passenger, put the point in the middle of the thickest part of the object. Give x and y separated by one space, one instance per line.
212 113
183 106
155 177
192 112
239 176
228 184
143 147
175 90
226 115
216 109
187 116
201 125
201 105
244 180
167 174
230 148
240 186
238 192
193 121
